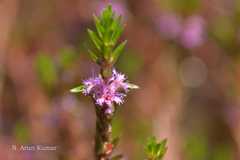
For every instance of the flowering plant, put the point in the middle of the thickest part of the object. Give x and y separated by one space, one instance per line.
110 87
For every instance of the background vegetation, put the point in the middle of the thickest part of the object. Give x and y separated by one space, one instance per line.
184 55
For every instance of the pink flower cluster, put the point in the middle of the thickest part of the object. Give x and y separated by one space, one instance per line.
110 91
189 33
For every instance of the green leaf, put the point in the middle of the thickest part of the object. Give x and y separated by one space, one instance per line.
116 24
116 53
132 86
95 39
46 69
117 30
107 50
93 55
116 35
67 57
108 21
108 30
155 150
99 27
107 16
77 89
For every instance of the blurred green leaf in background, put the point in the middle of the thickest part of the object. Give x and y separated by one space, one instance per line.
67 57
21 132
130 63
46 69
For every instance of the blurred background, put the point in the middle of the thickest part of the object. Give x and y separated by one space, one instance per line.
184 55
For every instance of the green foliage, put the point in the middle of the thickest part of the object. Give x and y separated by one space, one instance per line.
182 7
46 70
108 30
197 147
119 49
223 152
130 63
223 31
187 6
77 89
67 56
155 150
117 126
21 132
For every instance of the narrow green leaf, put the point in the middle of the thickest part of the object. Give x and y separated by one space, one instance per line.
116 23
107 50
116 35
106 19
95 39
117 30
93 55
77 89
162 149
116 53
132 86
107 15
99 27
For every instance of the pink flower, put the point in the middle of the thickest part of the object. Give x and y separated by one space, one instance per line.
193 32
108 91
169 25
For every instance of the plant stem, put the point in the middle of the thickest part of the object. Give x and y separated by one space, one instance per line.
103 139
